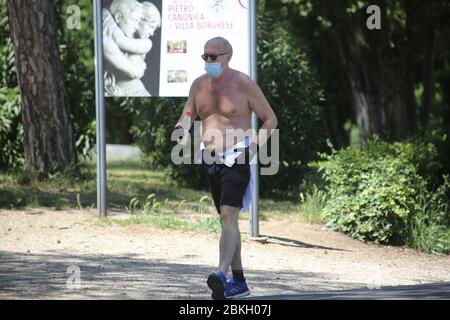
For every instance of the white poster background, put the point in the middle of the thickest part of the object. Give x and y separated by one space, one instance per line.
186 26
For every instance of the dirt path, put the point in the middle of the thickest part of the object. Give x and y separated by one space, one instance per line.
143 262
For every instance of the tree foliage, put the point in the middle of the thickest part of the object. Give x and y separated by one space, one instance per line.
393 81
11 134
293 90
76 54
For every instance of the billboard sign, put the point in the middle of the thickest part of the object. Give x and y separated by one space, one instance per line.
153 48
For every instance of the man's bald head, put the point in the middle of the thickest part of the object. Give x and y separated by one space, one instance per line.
221 41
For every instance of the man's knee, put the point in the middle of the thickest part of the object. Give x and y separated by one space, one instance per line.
229 216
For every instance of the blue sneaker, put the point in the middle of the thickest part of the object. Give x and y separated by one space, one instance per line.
235 289
216 282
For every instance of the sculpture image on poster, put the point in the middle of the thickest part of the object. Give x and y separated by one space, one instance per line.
128 26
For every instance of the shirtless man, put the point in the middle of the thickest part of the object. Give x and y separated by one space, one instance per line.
224 99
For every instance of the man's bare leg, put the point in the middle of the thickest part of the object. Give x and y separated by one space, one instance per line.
229 239
236 263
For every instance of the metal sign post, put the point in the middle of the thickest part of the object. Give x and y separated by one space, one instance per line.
100 109
254 218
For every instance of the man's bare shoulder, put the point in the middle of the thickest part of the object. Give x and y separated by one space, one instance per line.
245 81
199 81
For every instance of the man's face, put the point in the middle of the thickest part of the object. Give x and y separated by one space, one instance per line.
216 48
129 22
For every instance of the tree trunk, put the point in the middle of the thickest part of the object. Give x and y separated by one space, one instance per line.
48 133
428 67
409 68
359 99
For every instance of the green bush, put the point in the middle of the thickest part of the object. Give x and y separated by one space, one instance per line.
373 189
11 133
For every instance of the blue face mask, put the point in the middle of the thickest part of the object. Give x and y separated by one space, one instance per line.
213 69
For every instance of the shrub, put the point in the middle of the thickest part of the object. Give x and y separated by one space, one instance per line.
373 189
11 132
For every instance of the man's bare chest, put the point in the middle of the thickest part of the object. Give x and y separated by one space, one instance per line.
228 103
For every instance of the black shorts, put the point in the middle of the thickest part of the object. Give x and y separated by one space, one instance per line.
228 184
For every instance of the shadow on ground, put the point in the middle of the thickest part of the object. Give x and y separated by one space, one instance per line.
44 276
434 291
297 244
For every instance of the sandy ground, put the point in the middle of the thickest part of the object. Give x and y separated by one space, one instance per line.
41 250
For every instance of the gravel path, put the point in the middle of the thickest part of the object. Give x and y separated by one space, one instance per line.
298 261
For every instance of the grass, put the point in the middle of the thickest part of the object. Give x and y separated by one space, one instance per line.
170 221
147 196
312 205
125 180
429 226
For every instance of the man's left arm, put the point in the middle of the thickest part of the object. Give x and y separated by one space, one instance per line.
259 104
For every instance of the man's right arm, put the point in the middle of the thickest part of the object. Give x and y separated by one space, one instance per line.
189 111
188 115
